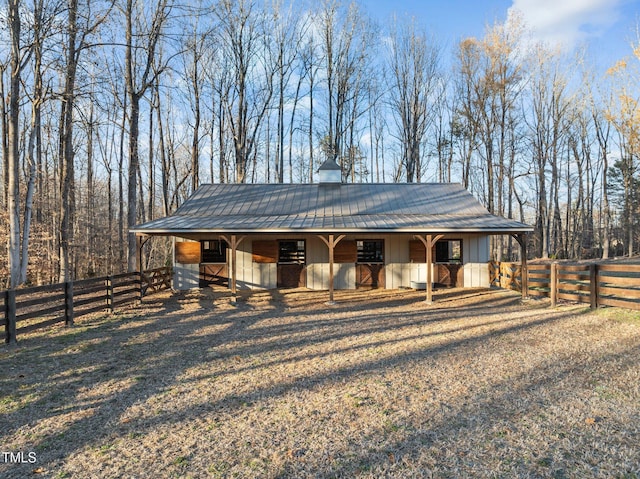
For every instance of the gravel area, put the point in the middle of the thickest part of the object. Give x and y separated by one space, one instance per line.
281 384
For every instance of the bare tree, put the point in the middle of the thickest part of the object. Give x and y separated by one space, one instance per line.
623 112
13 152
413 80
547 130
310 64
286 43
243 39
143 32
346 37
603 132
79 27
194 57
491 77
39 28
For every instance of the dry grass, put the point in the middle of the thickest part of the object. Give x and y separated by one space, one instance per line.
283 385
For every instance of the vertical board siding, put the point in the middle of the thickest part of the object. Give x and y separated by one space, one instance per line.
264 251
187 252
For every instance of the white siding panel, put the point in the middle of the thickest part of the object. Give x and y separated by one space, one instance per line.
419 273
263 276
396 249
398 275
344 276
244 266
185 276
483 270
476 275
314 276
317 251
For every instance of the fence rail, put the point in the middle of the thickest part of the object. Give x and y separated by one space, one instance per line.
24 310
598 284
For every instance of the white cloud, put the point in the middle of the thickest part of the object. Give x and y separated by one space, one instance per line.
567 22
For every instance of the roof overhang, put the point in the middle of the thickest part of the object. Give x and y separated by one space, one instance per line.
476 225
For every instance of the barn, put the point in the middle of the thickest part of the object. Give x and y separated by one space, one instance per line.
332 234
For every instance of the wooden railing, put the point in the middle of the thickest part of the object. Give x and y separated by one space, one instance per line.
27 309
598 284
155 280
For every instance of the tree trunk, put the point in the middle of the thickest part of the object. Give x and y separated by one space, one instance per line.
195 144
13 158
152 170
4 176
132 183
67 180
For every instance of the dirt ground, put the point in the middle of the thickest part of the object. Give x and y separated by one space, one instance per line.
283 385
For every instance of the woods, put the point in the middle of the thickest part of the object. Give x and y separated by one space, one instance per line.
114 111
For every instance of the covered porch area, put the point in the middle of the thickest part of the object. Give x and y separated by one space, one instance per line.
330 262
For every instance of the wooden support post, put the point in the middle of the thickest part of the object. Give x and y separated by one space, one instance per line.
233 241
109 286
593 285
524 272
140 242
553 284
429 259
234 271
429 241
10 317
331 243
68 303
331 248
524 268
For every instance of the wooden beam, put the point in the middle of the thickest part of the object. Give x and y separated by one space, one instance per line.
593 285
10 317
233 241
331 243
429 242
140 243
521 238
553 284
68 303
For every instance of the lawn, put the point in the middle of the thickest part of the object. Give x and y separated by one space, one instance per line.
282 385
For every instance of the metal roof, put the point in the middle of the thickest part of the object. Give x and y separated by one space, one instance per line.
335 208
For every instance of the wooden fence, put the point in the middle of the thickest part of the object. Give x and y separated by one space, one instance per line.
598 284
27 309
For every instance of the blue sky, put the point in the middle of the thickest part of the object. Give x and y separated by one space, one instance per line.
605 27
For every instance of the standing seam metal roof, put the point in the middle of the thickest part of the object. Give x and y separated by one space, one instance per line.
375 207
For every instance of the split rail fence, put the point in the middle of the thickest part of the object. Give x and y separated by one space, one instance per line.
597 284
26 309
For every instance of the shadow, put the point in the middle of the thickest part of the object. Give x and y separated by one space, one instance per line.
79 391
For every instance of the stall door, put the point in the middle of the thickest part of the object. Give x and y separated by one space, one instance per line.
213 263
370 264
369 275
292 264
450 275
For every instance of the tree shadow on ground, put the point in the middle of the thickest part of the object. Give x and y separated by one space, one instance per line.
81 382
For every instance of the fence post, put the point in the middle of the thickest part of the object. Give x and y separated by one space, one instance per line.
553 284
10 317
109 285
68 303
593 285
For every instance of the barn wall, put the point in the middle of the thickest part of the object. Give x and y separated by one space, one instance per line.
399 271
252 275
475 252
185 276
